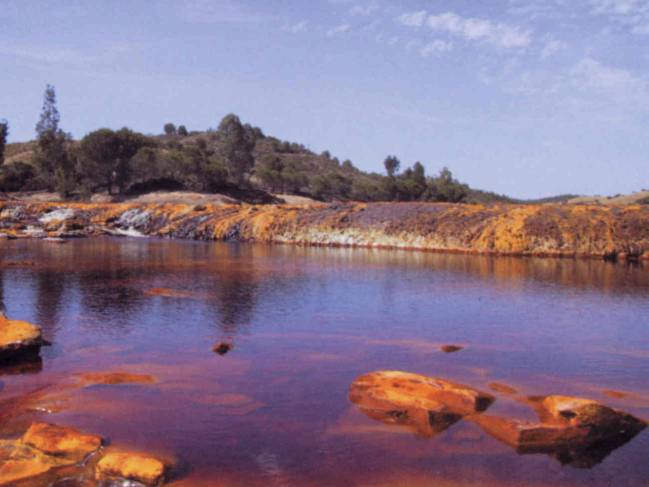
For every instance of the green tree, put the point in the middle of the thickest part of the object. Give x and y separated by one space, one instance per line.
170 129
236 145
105 157
391 165
269 172
4 133
51 157
445 187
16 176
182 131
348 165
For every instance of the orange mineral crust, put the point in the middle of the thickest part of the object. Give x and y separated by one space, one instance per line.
559 230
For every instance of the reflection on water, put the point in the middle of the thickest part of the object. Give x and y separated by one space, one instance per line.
305 322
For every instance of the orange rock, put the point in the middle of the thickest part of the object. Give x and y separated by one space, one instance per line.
18 339
168 293
450 348
138 467
61 441
116 378
578 431
428 405
617 394
41 449
503 388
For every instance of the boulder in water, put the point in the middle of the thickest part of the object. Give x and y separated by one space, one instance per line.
18 340
428 405
577 431
131 466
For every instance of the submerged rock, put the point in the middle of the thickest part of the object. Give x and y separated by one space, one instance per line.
168 293
502 388
18 340
451 348
429 405
116 378
131 466
580 432
223 347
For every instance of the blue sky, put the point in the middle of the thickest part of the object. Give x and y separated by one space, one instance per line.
528 98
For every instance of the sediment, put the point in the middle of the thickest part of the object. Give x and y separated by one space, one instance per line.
523 230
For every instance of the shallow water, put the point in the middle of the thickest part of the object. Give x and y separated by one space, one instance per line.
305 322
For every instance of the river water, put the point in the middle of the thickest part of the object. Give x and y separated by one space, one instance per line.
305 322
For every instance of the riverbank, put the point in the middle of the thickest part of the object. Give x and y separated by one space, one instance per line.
520 230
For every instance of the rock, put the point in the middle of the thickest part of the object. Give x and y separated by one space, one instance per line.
42 448
117 378
168 293
137 467
18 340
223 347
61 441
577 431
426 404
502 388
450 348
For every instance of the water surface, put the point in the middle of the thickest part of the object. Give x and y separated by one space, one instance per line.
305 322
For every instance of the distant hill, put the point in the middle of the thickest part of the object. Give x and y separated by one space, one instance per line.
640 197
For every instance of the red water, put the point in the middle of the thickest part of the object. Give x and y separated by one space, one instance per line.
305 322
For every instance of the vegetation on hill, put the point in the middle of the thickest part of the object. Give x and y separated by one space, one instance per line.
234 158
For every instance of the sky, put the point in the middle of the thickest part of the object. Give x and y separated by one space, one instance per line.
528 98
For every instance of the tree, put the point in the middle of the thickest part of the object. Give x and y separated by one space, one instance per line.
391 165
236 145
16 176
182 131
170 129
51 157
105 157
269 172
446 188
4 133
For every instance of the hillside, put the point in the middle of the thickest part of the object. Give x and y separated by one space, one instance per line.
231 159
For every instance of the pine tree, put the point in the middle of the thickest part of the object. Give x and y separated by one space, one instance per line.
4 133
52 158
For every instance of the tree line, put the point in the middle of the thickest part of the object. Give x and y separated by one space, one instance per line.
233 157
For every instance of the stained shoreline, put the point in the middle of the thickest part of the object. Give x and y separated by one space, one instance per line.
568 231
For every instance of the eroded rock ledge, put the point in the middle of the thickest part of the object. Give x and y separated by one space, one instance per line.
538 230
576 431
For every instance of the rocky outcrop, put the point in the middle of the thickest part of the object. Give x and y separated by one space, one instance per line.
19 340
576 431
428 405
539 230
43 448
46 454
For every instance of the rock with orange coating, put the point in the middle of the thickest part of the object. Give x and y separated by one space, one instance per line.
42 451
428 405
577 431
61 441
131 466
18 340
116 378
